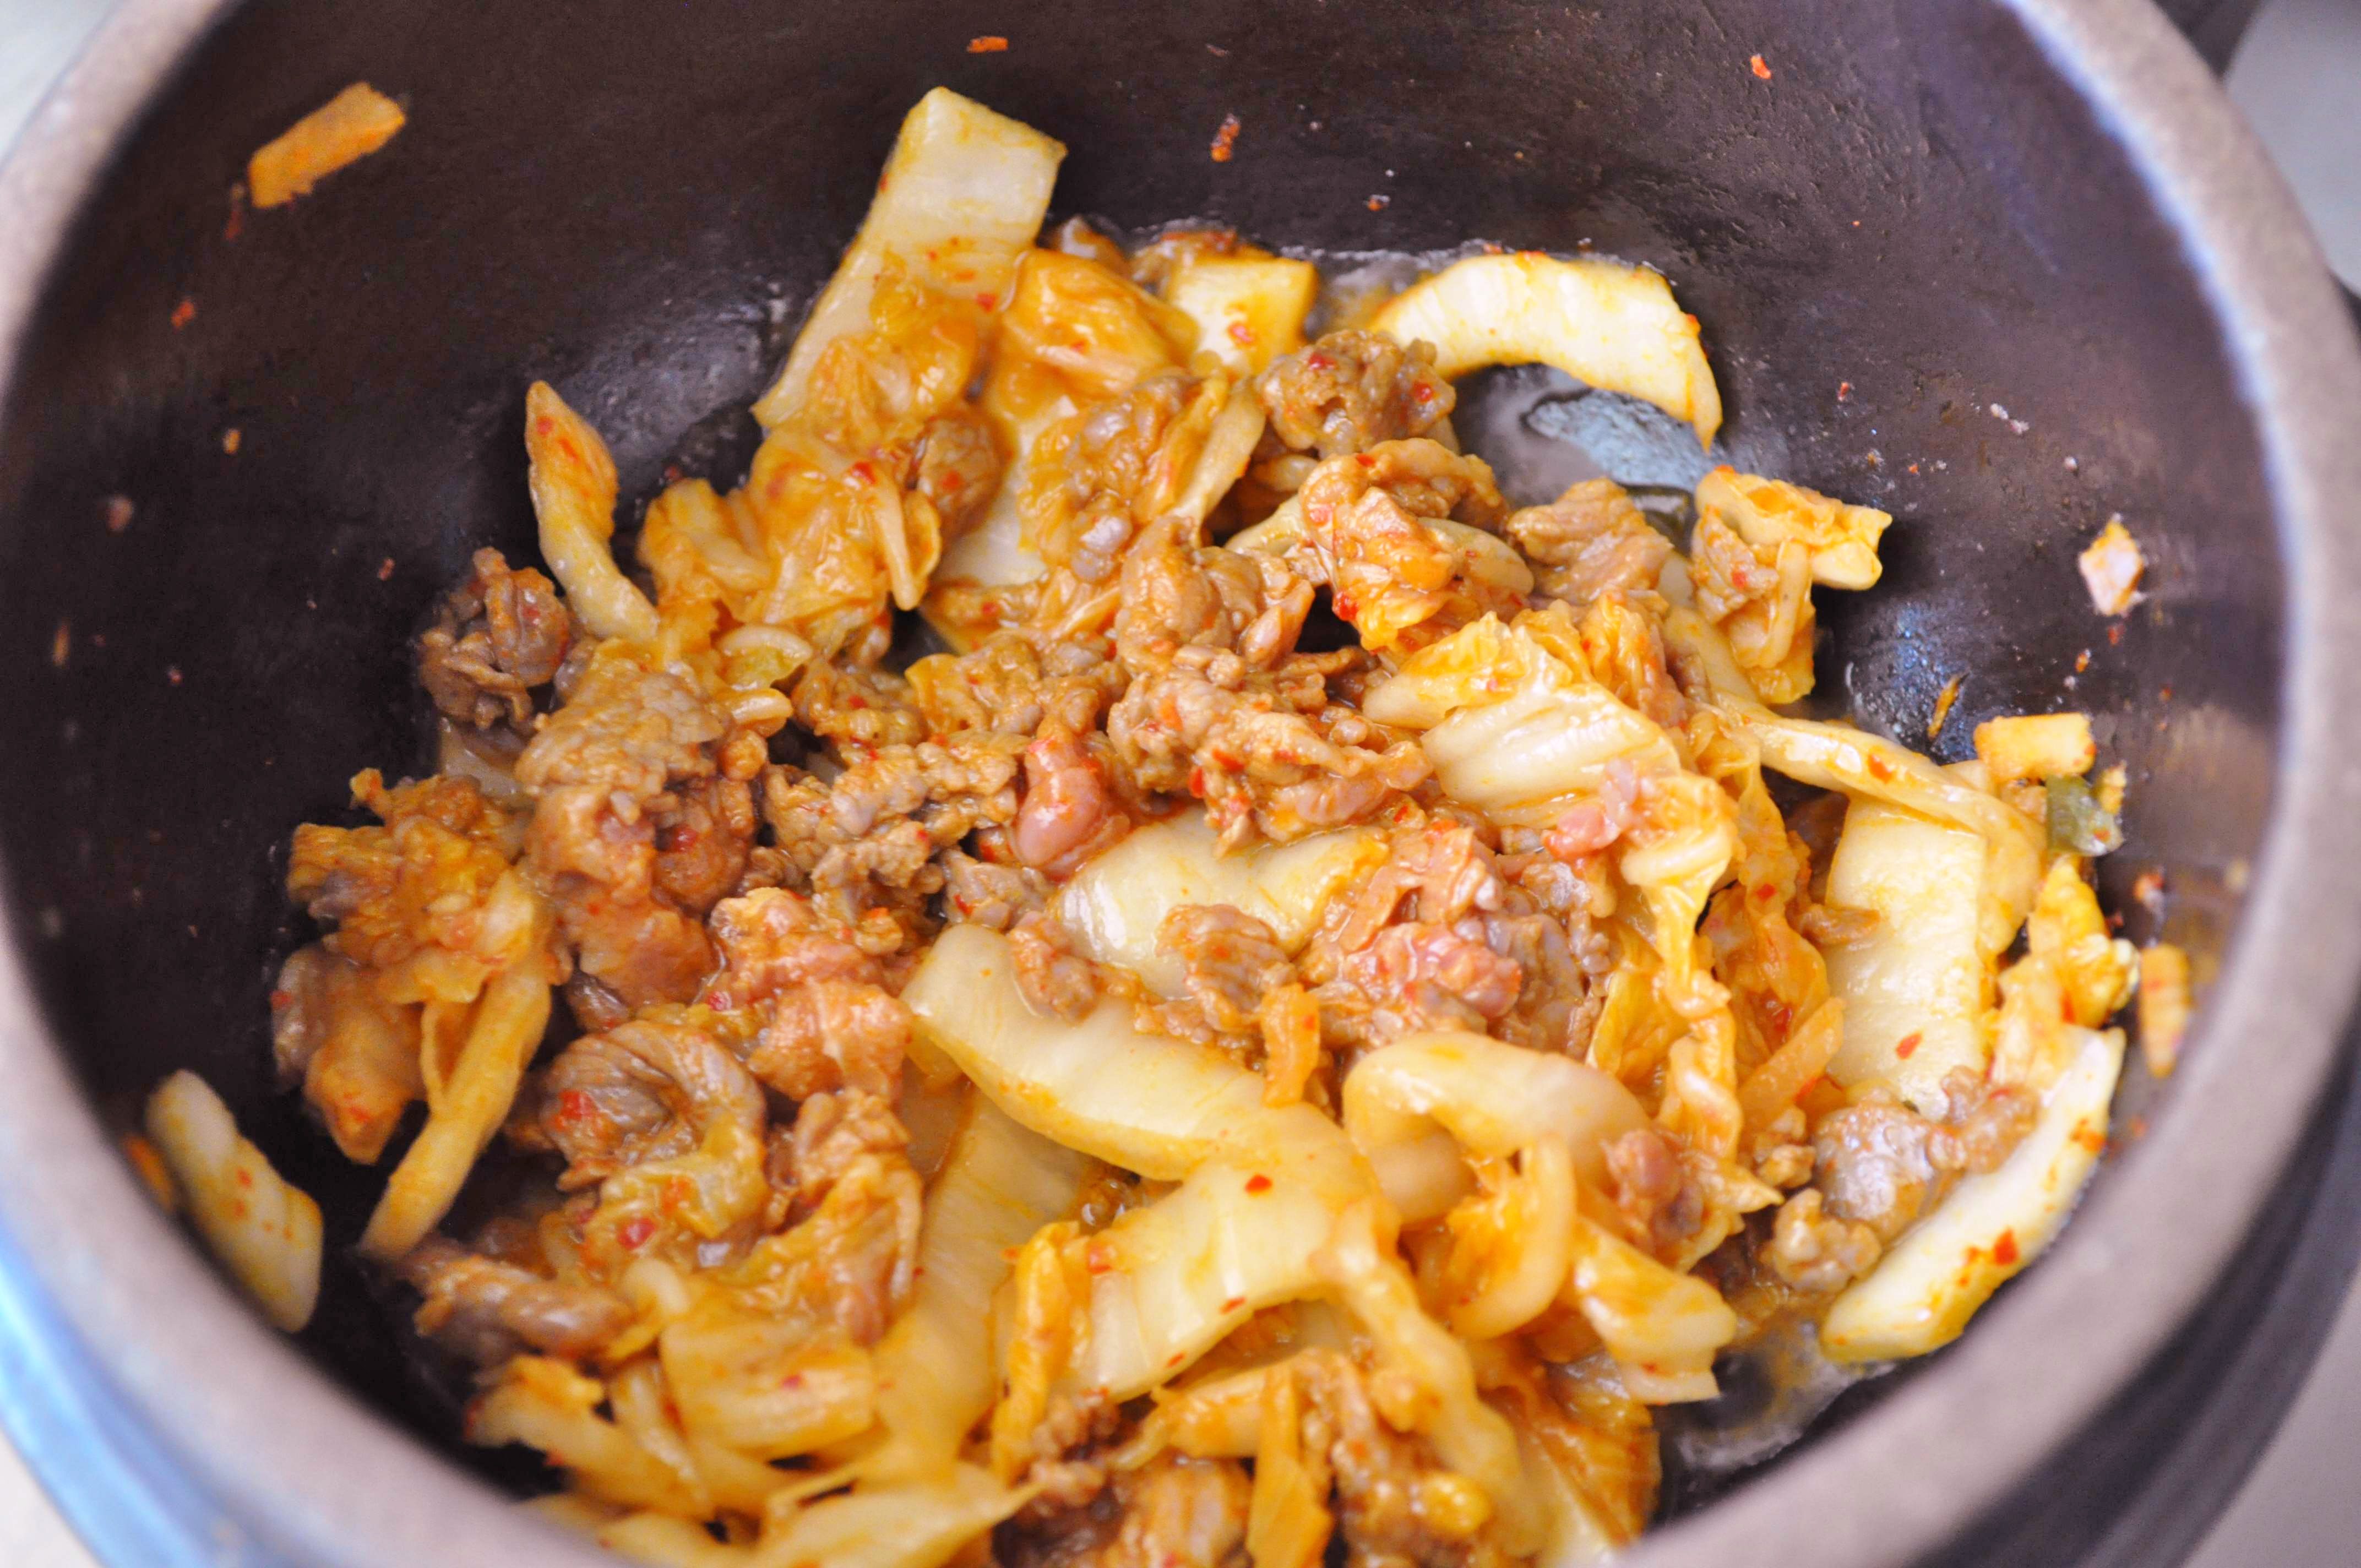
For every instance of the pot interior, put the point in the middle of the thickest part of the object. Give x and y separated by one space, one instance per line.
1928 281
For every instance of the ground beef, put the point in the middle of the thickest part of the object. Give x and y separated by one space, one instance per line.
1879 1163
1350 390
1590 541
646 1090
496 636
486 1310
1173 1512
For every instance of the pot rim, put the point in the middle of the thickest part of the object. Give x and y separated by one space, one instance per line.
311 1474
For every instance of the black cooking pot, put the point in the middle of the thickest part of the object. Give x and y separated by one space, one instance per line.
2004 269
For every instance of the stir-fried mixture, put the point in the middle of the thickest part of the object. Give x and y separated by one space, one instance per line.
1287 1039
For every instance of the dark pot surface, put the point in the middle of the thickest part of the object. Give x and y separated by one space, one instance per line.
2003 269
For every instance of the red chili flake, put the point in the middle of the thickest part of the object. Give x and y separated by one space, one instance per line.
988 43
1098 1258
173 673
2115 635
1907 1046
231 438
1225 138
1844 392
1234 1303
244 1178
1217 50
2148 887
1257 1183
2164 694
237 225
2005 1249
280 999
1319 360
1197 782
1760 66
1242 334
1878 767
184 312
118 510
2081 661
987 300
575 1105
385 570
1176 1358
62 645
1379 203
862 473
635 1233
792 1380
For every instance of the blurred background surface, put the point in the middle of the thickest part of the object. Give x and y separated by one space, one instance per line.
2295 78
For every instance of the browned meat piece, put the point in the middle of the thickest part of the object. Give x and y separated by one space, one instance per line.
1381 1477
827 1022
1054 978
1542 1016
703 841
1176 596
833 1034
1273 757
1173 1512
1816 1253
418 880
1010 686
1393 575
1652 1189
866 707
646 1090
867 841
496 636
1351 390
1437 938
1882 1164
1232 961
1094 483
981 893
850 1261
597 868
486 1310
1590 541
830 1133
1422 976
1069 812
632 754
958 468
